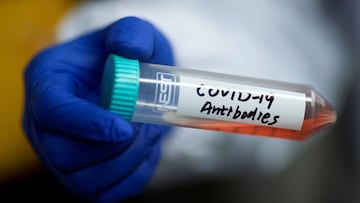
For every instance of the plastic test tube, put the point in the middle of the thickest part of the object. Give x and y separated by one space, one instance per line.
158 94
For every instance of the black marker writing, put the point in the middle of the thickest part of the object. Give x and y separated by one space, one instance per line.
236 113
235 95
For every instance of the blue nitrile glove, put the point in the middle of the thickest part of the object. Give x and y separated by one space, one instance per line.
96 154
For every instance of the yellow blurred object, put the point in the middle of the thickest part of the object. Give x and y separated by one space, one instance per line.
27 26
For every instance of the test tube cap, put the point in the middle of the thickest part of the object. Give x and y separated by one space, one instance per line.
120 85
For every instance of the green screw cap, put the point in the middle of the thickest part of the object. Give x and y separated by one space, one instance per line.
120 85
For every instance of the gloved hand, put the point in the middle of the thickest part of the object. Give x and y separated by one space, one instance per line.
96 154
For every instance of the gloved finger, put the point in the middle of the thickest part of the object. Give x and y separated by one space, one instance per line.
118 167
53 90
136 38
133 184
55 106
69 154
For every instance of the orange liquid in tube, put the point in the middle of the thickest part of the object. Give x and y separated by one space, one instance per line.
310 126
166 95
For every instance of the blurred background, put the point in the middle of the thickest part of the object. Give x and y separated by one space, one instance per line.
326 171
26 27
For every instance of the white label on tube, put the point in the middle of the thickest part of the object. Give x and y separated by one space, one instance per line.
241 103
